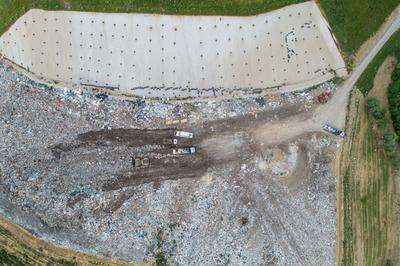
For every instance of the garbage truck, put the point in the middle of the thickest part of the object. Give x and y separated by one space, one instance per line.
183 134
181 151
333 130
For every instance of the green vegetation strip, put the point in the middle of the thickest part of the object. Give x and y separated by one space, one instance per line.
394 99
392 47
348 230
160 257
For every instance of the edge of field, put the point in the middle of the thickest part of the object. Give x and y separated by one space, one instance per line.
367 191
19 247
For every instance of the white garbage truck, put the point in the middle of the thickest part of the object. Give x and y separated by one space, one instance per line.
181 151
183 134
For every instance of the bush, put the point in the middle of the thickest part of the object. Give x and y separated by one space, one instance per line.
377 112
372 105
390 142
390 263
382 122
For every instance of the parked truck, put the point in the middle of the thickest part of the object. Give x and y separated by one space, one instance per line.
186 150
183 134
334 131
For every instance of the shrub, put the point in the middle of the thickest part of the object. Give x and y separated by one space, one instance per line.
382 122
390 263
377 112
372 105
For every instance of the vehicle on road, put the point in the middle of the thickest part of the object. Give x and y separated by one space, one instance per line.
334 131
170 141
183 134
186 150
139 162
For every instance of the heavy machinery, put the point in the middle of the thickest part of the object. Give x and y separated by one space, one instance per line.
183 134
334 131
170 141
139 162
186 150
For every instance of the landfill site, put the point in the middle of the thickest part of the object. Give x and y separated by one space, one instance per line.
225 181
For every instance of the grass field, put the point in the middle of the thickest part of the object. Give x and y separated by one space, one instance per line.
368 187
354 21
19 247
392 47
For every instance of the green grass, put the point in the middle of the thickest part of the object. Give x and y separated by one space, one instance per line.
10 10
392 47
354 21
